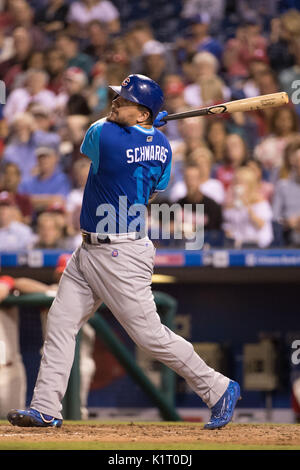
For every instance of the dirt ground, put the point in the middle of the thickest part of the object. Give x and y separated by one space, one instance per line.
250 434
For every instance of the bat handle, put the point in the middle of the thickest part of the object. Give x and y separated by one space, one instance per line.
186 114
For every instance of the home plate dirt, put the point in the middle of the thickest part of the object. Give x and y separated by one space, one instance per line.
251 434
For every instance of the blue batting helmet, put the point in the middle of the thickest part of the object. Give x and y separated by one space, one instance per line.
141 90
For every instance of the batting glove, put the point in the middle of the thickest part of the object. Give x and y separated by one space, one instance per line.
159 121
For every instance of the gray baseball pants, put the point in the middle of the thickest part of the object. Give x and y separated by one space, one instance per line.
94 275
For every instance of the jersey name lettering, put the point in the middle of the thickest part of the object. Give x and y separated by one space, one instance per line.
149 152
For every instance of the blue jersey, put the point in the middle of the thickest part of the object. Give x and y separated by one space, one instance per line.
128 165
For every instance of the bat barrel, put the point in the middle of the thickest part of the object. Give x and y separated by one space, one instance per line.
247 104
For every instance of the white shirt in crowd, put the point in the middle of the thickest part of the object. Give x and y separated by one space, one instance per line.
74 199
238 223
193 98
212 188
15 237
103 11
19 99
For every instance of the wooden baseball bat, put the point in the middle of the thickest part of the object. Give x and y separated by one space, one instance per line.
247 104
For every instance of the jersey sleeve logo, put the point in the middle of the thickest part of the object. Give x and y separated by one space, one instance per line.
126 81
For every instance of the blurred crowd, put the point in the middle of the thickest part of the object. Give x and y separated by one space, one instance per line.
57 58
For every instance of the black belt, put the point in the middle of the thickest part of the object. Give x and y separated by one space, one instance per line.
88 239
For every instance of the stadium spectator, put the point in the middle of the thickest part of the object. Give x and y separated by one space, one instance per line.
21 145
24 16
138 39
248 216
191 136
36 60
192 132
118 61
13 69
265 188
6 46
215 138
259 10
43 118
49 232
208 87
71 235
208 186
198 38
239 51
14 235
154 61
10 182
70 47
75 129
97 41
236 155
135 38
250 85
98 93
286 202
82 12
284 125
212 211
55 64
173 87
75 80
282 31
213 9
52 17
290 152
50 184
71 99
34 90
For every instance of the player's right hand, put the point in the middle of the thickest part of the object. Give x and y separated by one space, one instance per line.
159 121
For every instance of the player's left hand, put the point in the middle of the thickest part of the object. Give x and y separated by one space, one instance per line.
159 120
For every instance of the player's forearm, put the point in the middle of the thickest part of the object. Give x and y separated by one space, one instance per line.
30 286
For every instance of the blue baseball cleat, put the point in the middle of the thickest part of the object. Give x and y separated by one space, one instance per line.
32 418
222 411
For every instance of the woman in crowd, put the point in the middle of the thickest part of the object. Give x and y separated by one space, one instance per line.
270 152
248 216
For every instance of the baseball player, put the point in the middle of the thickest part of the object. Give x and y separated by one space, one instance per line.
13 382
131 160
